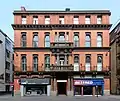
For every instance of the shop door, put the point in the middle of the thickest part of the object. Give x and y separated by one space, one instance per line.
61 88
87 90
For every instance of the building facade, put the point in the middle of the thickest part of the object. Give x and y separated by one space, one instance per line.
115 59
61 52
6 62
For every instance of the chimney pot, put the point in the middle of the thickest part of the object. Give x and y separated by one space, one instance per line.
23 8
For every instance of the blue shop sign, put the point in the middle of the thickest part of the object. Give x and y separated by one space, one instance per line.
88 82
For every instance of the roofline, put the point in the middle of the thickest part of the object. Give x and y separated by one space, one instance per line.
62 12
114 28
6 36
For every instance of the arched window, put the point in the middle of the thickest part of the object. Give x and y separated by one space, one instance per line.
88 62
24 63
76 59
87 40
35 40
47 41
76 40
99 40
23 39
99 63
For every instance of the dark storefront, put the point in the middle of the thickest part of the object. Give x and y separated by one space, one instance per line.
35 86
88 87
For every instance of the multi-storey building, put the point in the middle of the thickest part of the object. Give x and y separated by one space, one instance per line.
6 62
115 59
61 52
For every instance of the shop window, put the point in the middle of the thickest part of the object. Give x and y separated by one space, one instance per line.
47 61
47 40
76 39
88 90
23 39
99 62
88 62
24 63
78 90
87 40
35 63
35 40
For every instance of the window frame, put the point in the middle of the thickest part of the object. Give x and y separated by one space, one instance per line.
61 20
24 64
87 19
48 41
47 65
23 41
35 19
35 56
99 34
34 41
99 19
76 41
87 41
47 19
23 19
76 19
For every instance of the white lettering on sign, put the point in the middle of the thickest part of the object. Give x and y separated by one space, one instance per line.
83 82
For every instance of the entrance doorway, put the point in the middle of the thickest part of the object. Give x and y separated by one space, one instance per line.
61 88
88 90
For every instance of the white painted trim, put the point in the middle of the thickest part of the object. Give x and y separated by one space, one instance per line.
61 80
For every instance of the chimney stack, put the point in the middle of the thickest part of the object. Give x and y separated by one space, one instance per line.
23 8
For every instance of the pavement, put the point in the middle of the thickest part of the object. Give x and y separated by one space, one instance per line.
60 98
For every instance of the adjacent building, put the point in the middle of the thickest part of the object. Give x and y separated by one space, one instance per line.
115 59
6 62
61 52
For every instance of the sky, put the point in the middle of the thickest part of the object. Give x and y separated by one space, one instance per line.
8 6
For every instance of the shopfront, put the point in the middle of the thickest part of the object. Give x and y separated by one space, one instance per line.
88 87
35 86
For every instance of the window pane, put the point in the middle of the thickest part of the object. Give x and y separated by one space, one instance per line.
61 38
24 67
47 41
99 66
76 38
87 66
87 44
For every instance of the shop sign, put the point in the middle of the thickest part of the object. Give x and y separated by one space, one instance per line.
35 81
83 82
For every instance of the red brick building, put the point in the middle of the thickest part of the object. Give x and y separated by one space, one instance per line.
61 52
